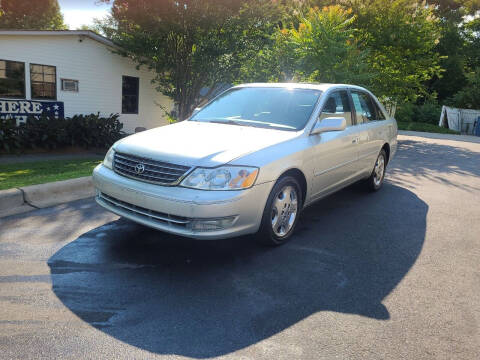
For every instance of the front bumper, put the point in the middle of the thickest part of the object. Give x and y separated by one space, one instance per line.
174 209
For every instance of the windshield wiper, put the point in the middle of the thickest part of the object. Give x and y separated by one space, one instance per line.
229 122
251 123
265 124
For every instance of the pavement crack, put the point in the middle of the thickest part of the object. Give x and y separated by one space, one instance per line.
25 199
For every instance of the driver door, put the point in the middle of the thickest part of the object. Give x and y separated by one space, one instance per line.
335 153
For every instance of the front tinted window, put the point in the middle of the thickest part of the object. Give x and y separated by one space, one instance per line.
363 107
284 108
337 105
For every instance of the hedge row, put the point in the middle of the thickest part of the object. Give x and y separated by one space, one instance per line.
425 113
86 131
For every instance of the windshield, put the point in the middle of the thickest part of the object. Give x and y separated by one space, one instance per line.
283 108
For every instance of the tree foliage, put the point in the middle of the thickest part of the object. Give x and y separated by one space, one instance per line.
190 44
388 46
31 15
469 96
403 50
323 48
454 8
401 36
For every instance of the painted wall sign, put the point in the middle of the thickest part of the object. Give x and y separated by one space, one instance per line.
22 109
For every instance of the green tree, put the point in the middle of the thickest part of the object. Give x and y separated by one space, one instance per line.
190 44
322 49
401 38
472 44
31 15
388 46
451 48
454 8
469 96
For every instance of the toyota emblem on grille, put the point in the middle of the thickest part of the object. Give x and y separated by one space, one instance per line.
139 168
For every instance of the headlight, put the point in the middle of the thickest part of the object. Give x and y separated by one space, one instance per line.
222 178
108 161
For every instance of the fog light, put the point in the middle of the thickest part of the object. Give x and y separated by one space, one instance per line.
201 225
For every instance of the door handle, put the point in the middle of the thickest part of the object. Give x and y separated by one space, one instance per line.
355 140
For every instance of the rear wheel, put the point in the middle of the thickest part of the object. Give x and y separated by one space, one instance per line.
375 181
281 212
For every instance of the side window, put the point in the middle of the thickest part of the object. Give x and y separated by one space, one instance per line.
380 114
337 105
363 107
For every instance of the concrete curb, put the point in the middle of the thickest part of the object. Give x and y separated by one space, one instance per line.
12 202
18 200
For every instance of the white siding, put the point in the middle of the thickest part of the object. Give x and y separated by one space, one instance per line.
98 70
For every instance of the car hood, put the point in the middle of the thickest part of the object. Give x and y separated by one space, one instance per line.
205 144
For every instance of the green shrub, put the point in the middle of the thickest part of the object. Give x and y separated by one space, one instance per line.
405 112
94 131
428 112
43 132
424 127
84 131
9 136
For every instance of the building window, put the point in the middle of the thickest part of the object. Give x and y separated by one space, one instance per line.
130 95
69 85
43 81
12 79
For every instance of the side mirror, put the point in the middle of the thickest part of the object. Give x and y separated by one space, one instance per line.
329 124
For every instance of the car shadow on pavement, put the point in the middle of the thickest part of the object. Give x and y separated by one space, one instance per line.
171 295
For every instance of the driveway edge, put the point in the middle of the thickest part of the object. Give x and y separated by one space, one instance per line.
27 198
438 136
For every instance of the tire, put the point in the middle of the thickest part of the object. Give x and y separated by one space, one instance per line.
276 227
375 181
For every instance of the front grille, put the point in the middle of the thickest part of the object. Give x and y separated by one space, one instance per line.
151 215
148 170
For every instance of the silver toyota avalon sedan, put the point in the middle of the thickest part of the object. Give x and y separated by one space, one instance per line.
249 161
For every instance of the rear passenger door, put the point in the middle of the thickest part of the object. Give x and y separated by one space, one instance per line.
368 119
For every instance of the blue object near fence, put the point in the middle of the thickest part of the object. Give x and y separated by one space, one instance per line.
476 131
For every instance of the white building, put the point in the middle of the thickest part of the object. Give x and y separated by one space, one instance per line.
78 72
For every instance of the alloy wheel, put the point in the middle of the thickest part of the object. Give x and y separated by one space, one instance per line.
379 170
284 211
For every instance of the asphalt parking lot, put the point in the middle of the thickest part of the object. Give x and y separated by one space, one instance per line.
390 275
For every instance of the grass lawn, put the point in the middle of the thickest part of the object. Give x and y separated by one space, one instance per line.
39 172
418 126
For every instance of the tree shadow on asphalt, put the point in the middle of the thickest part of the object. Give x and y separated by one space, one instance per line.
171 295
434 162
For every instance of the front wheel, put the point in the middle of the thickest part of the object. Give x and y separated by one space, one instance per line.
281 212
375 181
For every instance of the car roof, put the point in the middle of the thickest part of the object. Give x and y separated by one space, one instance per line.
322 87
